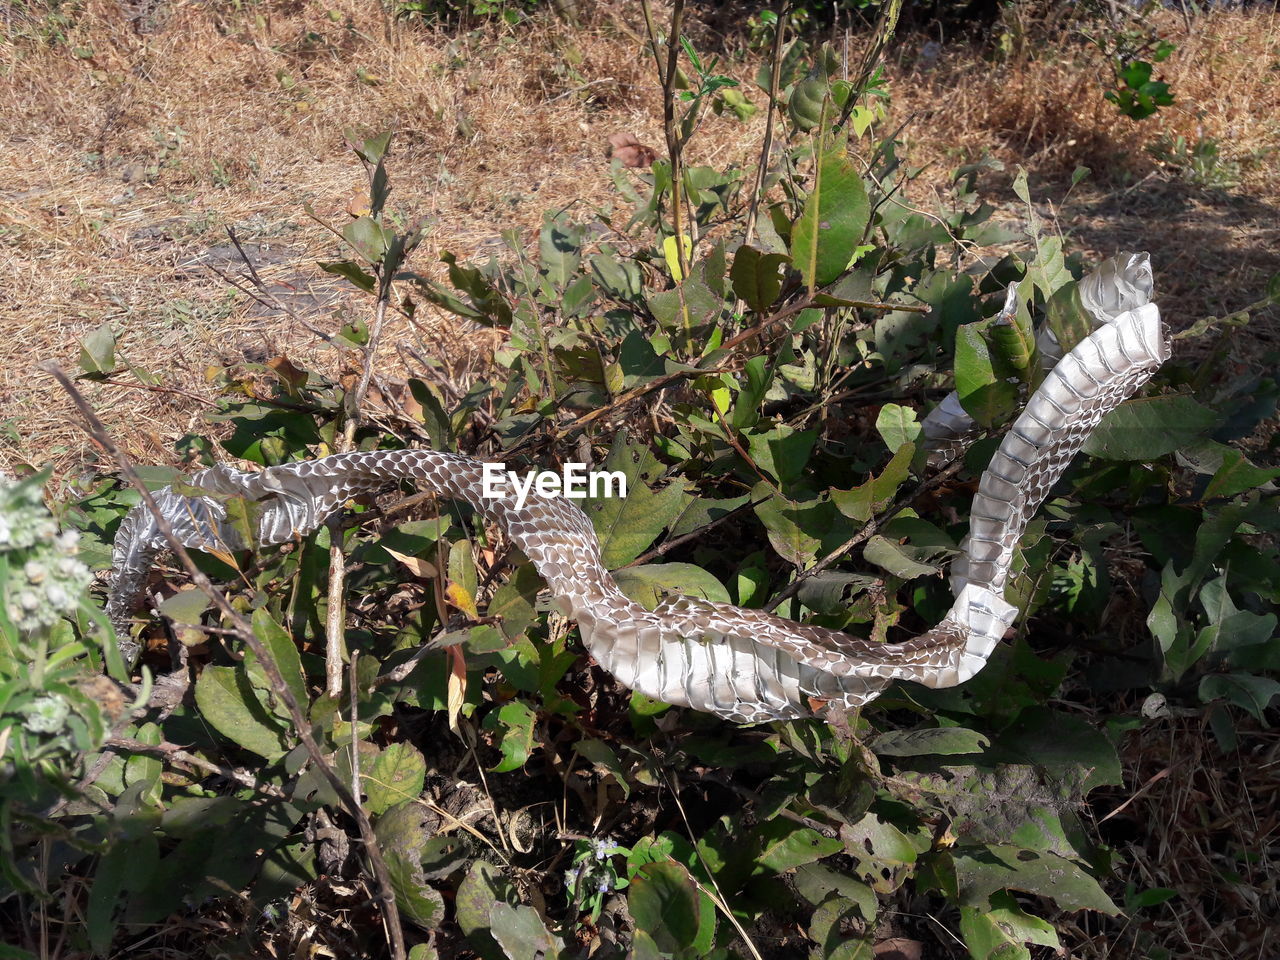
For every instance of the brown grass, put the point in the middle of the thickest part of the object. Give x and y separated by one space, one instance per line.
127 162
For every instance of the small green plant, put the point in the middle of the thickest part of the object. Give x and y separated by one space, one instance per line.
1137 95
51 641
433 11
1199 162
1133 47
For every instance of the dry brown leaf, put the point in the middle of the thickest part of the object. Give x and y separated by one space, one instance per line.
417 566
456 694
899 948
358 204
630 151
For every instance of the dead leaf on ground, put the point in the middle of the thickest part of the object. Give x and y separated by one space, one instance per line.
632 153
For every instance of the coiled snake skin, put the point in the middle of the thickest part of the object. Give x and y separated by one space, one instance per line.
744 665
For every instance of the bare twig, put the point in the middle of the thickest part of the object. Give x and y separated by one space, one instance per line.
152 388
175 753
336 612
244 632
762 170
670 545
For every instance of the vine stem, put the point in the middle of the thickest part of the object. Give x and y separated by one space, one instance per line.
243 631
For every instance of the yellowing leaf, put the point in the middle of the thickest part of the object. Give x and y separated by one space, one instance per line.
461 597
672 255
862 119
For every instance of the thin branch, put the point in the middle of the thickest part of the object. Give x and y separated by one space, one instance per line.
775 73
868 530
177 754
244 631
669 545
336 611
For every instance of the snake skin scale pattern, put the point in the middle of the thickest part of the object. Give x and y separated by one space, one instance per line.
743 665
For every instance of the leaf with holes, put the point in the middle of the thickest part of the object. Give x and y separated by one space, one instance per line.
396 776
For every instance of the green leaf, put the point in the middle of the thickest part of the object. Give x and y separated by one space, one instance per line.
396 776
985 391
817 881
875 494
514 601
1149 427
667 905
559 249
186 606
284 652
1001 932
522 934
367 237
483 886
1244 690
433 415
402 832
942 741
1236 475
1014 340
834 220
1067 318
781 451
618 276
879 848
627 525
227 703
442 298
103 896
798 530
981 872
785 845
1064 745
1009 803
649 584
352 271
98 351
516 721
693 297
897 425
1049 271
896 559
757 277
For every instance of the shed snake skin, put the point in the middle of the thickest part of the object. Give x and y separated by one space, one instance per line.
744 665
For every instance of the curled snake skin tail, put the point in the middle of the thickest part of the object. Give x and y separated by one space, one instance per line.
1119 284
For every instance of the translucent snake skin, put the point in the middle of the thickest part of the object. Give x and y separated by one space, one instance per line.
744 665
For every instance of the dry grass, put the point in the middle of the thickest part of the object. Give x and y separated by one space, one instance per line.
125 164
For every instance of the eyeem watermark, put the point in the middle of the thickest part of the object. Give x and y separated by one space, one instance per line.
574 481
